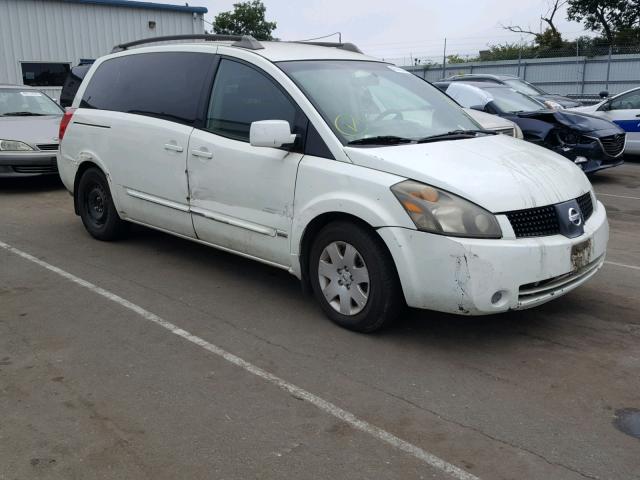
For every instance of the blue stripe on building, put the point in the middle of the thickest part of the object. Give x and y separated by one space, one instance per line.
146 5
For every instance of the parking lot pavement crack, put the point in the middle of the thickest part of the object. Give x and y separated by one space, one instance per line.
476 429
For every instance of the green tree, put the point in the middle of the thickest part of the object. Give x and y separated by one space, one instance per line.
451 59
506 51
549 39
610 18
247 18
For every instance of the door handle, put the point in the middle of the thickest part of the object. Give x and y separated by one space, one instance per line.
638 115
202 154
173 147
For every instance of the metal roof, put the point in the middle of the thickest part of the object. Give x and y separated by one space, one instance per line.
147 5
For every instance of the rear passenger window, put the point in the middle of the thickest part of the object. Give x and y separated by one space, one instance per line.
242 95
166 85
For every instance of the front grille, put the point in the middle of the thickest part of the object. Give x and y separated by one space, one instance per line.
586 205
543 221
534 222
37 169
48 147
613 145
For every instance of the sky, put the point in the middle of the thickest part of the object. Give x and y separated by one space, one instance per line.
397 29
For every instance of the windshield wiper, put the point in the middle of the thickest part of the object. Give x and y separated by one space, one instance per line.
381 140
22 114
455 135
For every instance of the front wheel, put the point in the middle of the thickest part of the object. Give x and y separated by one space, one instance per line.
96 206
353 277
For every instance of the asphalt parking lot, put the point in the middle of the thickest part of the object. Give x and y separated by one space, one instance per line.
125 377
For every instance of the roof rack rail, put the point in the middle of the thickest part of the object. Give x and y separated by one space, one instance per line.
344 46
243 41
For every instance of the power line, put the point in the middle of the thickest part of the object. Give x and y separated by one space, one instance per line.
324 36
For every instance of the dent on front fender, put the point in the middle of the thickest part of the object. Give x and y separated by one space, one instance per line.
446 276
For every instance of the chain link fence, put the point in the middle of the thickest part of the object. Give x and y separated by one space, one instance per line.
580 71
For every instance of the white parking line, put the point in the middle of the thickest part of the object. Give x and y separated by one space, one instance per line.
324 405
616 196
632 267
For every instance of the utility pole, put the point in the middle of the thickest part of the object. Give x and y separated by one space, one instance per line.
444 60
608 68
577 65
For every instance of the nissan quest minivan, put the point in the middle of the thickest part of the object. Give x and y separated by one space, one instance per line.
371 186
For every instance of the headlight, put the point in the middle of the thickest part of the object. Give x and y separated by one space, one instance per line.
553 105
14 146
517 132
436 211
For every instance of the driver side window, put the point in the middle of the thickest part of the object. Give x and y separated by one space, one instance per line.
242 95
630 101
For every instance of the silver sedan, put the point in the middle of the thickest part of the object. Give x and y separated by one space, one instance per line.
29 122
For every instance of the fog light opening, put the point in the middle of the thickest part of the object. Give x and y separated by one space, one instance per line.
496 297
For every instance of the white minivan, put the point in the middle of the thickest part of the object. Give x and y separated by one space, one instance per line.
371 186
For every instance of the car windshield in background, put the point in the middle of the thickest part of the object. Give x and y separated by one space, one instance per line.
509 101
17 103
524 87
363 100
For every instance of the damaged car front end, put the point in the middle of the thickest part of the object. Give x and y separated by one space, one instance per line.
591 142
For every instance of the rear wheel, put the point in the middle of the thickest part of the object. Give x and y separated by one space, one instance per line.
96 207
353 277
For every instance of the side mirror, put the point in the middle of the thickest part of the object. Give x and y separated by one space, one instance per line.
480 108
271 133
604 94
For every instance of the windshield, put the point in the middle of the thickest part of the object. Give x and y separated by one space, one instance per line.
361 100
15 102
509 101
524 87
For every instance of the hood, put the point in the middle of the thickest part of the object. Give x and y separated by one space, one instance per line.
588 108
30 130
564 101
578 121
496 172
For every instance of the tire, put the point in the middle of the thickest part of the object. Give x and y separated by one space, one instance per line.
369 280
96 207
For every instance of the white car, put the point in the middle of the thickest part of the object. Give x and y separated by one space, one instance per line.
624 110
365 182
495 123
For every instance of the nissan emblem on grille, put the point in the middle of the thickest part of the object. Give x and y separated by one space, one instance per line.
575 217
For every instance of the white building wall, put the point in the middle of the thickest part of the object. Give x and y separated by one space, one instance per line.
65 32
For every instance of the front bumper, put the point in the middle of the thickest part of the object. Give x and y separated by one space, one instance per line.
480 277
597 158
593 166
28 164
